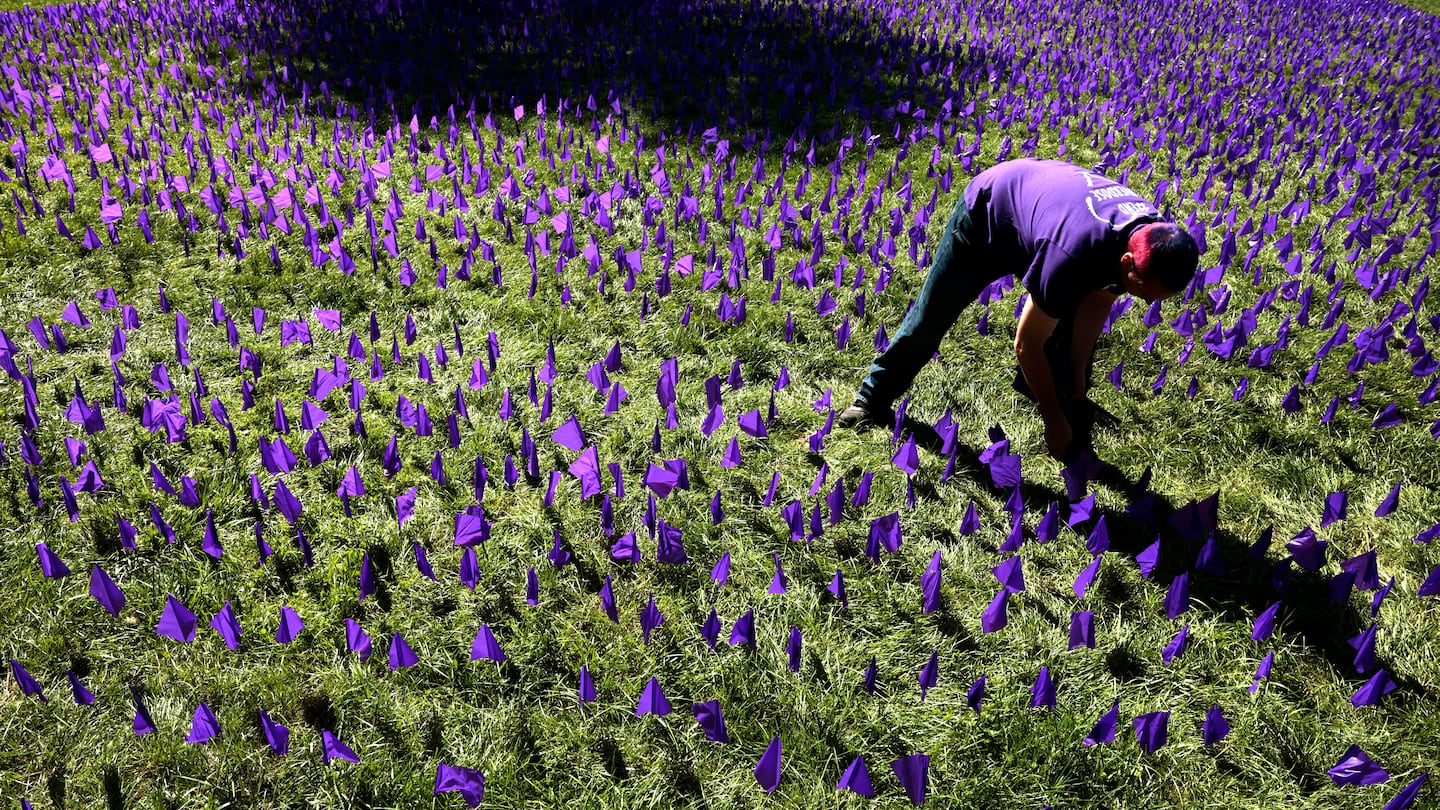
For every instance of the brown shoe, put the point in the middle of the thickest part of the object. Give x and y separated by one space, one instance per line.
863 414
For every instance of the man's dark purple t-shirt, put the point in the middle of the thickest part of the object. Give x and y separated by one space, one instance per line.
1060 228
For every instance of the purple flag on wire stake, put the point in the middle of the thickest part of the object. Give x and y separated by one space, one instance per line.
401 656
1104 729
468 782
27 683
276 734
1152 730
1215 728
290 625
1370 694
856 778
176 621
82 695
1042 694
333 748
1406 796
227 626
104 590
203 726
652 700
486 646
585 693
1357 768
767 770
712 721
914 774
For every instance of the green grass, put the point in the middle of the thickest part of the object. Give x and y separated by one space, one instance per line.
519 721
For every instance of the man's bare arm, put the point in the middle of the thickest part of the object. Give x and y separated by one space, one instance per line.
1030 336
1089 320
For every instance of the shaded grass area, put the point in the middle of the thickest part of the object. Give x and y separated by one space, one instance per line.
519 720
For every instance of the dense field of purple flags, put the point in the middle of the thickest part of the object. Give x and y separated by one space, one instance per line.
267 138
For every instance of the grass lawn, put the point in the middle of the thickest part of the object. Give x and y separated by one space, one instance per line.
467 244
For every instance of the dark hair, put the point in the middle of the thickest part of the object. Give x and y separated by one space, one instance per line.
1167 254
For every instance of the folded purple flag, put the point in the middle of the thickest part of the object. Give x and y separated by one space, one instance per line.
468 782
1042 694
486 646
227 626
856 778
1370 694
1357 768
712 721
913 772
994 618
1104 729
105 591
767 770
652 700
1406 796
1216 727
176 621
1152 730
332 748
203 726
401 656
82 695
28 685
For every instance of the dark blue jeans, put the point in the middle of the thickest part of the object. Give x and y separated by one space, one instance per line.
957 276
961 270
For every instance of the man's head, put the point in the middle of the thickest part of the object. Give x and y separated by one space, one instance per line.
1160 262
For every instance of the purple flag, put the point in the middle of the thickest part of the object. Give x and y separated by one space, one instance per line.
290 625
1357 768
26 682
1104 729
486 646
401 656
176 621
332 748
1406 796
744 630
1379 685
913 772
50 563
712 721
356 639
1152 730
1082 629
227 626
994 618
105 591
652 700
856 778
778 582
1176 647
1216 727
468 782
767 770
929 674
143 724
1042 694
203 726
585 693
82 695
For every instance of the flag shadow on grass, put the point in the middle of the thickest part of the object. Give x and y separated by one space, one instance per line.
748 67
1246 587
